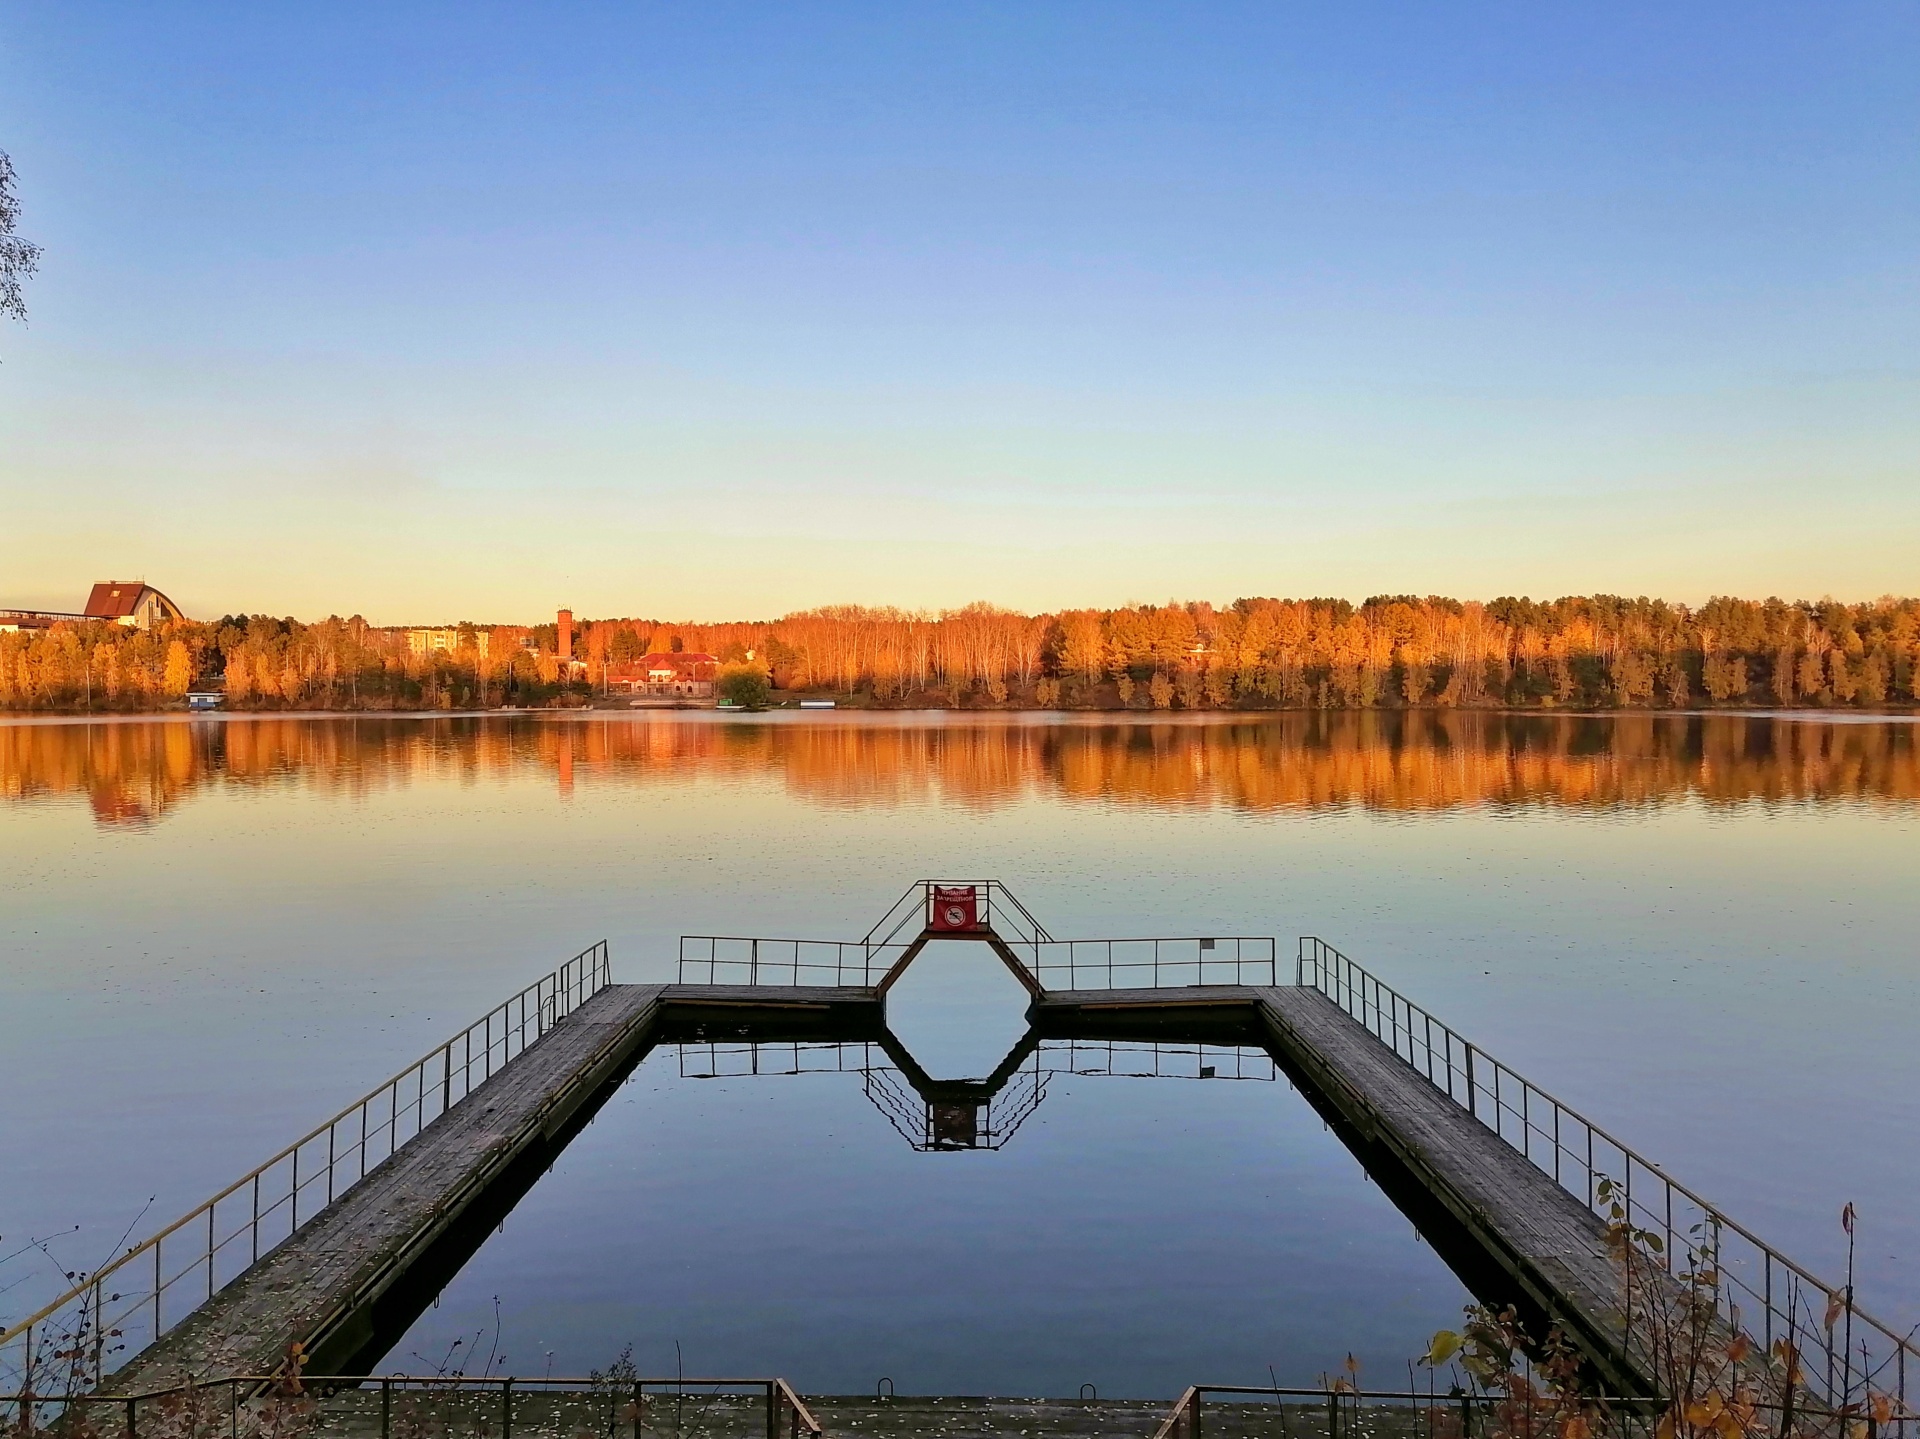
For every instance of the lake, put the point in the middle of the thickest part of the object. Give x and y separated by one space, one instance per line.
1703 931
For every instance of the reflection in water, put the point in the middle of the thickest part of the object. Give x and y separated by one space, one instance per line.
945 1115
133 773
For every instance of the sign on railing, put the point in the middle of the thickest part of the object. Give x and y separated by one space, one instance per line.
1843 1351
113 1313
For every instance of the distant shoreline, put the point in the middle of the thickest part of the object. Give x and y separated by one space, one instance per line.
1907 713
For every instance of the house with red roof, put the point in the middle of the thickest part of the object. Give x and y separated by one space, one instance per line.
134 603
667 675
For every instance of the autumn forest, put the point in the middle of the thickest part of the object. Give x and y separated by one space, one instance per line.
1391 652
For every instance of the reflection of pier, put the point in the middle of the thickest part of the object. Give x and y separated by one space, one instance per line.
340 1241
936 1114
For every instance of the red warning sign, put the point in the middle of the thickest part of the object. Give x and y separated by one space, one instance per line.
955 907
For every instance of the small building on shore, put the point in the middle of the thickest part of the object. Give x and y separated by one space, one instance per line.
668 675
133 603
450 640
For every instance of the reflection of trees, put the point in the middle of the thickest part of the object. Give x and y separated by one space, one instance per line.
1420 760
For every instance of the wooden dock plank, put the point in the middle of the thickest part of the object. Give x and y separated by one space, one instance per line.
317 1287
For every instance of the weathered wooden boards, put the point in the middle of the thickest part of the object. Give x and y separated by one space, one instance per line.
1507 1227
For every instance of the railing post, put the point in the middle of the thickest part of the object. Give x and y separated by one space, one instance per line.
1473 1106
26 1380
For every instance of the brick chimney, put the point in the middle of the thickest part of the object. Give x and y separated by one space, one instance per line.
564 643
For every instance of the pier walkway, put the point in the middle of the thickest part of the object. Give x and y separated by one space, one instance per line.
331 1285
1502 1223
350 1281
341 1240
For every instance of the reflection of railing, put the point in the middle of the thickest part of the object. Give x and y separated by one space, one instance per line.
122 1307
361 1404
1138 1059
945 1126
1119 1058
1761 1291
1068 964
934 1125
740 1061
729 959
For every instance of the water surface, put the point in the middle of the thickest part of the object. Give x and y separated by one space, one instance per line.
1703 931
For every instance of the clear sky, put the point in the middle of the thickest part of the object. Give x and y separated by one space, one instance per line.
711 311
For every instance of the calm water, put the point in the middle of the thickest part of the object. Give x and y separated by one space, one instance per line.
1703 932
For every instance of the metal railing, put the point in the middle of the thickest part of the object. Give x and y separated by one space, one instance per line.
995 907
610 1405
1340 1410
745 960
125 1305
1843 1350
1339 1405
738 959
1069 964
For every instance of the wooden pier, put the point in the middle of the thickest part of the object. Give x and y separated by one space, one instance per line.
351 1280
1501 1178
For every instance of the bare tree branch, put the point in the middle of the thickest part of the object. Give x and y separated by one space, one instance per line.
19 257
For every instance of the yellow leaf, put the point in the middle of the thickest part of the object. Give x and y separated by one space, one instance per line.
1834 1305
1444 1345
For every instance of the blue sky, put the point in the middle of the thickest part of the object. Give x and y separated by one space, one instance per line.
711 311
